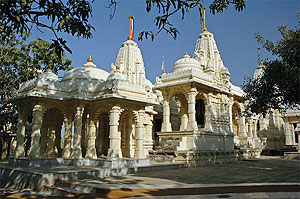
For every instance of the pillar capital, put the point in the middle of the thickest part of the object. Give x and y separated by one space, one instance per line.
37 107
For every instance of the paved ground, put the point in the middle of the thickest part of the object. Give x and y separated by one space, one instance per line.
244 180
263 170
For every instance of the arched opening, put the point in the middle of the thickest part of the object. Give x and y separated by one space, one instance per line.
51 133
235 119
182 109
127 128
102 143
200 113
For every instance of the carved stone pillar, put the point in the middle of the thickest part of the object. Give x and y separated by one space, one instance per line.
114 150
91 149
20 152
77 152
287 132
44 136
67 137
139 136
230 117
184 122
51 148
250 128
166 125
208 114
36 132
255 128
192 124
242 125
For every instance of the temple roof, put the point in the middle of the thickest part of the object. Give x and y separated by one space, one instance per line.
88 71
186 63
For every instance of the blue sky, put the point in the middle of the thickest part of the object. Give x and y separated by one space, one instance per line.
233 31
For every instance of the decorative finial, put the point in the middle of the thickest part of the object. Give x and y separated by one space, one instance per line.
48 68
202 19
186 53
90 59
130 37
117 67
163 65
259 61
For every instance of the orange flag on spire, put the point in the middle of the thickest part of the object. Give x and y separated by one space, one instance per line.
131 27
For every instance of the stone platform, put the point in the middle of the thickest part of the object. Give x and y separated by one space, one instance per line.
22 173
291 155
100 162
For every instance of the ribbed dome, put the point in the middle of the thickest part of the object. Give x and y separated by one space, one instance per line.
86 73
48 75
186 63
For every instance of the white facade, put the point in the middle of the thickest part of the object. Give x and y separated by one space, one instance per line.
195 111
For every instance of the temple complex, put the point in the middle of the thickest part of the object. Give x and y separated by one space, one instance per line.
193 113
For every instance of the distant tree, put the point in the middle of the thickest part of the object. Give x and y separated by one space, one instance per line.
279 85
21 62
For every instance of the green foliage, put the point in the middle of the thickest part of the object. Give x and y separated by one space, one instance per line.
279 86
71 17
168 8
21 62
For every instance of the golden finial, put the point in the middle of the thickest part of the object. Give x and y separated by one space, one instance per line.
204 27
186 53
163 65
117 67
90 59
130 37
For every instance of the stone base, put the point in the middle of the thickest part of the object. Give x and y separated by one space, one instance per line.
25 162
34 178
246 154
291 155
200 158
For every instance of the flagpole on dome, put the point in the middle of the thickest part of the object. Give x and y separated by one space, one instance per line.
163 65
130 37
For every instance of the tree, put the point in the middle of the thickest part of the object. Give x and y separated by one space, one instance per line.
21 62
72 16
279 85
168 8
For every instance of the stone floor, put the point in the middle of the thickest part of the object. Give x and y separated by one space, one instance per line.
267 169
243 179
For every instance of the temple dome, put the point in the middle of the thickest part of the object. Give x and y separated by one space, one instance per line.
48 75
88 71
186 63
116 75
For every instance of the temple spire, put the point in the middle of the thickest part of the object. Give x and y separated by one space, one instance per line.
130 37
259 61
163 65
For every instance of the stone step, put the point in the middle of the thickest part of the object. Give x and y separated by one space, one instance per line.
62 191
35 177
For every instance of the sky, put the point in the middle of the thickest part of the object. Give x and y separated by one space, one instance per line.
233 32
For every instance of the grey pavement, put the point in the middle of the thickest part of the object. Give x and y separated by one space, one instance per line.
267 177
263 170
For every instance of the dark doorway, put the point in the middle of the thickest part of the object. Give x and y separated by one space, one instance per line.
200 112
